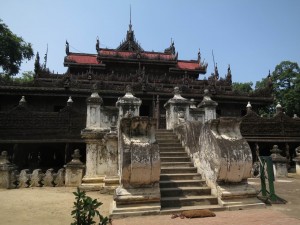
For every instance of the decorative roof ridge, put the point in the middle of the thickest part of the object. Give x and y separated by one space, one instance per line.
83 54
186 60
150 52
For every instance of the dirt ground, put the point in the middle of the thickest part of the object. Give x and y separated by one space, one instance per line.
53 206
47 206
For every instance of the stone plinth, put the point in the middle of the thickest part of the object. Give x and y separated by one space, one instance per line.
93 178
139 167
177 110
279 162
74 170
6 172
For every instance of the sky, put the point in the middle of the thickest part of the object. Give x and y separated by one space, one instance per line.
253 36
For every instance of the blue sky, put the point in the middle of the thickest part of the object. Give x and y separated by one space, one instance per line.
253 36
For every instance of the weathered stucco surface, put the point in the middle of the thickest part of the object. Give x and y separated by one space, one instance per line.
218 150
140 162
139 167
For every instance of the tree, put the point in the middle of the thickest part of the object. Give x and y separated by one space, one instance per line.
13 50
286 86
242 87
27 77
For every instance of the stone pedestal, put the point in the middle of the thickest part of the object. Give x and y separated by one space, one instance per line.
6 172
279 162
94 177
139 168
177 110
74 170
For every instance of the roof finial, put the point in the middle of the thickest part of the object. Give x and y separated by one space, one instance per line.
130 26
45 58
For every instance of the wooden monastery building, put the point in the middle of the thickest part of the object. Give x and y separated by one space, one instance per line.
42 129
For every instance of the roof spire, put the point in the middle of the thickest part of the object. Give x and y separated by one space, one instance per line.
130 26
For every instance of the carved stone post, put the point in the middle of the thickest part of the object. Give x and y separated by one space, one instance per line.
74 170
6 171
279 162
297 160
128 105
93 135
177 110
209 107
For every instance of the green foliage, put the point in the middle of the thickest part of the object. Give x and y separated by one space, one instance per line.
242 87
286 83
261 84
286 88
27 77
13 50
85 209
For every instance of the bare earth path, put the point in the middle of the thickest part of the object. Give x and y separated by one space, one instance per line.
45 206
53 206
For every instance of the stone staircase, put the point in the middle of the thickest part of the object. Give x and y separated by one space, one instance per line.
181 186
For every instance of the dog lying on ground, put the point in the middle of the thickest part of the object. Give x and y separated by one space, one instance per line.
196 213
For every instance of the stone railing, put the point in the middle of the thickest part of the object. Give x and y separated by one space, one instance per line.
70 176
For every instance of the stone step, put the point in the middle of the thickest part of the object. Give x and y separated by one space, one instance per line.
162 131
170 145
189 201
165 134
171 149
166 143
167 138
176 170
180 176
174 159
176 164
182 183
134 210
184 191
173 154
179 209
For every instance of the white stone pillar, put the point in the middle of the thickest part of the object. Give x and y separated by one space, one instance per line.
128 105
209 107
279 162
177 110
93 135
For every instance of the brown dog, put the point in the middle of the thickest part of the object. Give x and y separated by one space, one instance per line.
196 213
